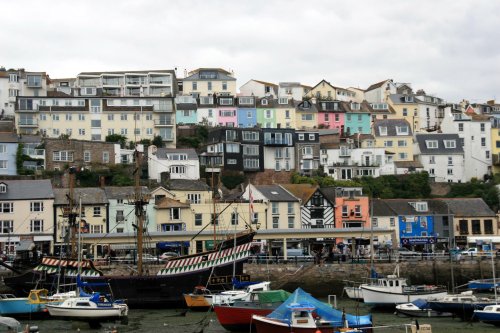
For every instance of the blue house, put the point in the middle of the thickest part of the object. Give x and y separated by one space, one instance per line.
186 110
9 143
246 111
357 117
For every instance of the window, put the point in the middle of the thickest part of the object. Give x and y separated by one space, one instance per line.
450 172
250 135
81 131
402 143
482 125
3 188
403 156
123 131
198 219
311 137
276 222
483 142
308 150
277 166
432 160
96 229
178 169
345 211
476 227
105 157
402 130
3 164
274 208
251 150
291 222
388 143
450 160
224 85
149 131
405 112
374 222
488 227
230 135
81 116
231 161
97 211
111 117
383 130
463 227
460 127
449 143
36 206
120 217
6 227
287 114
195 85
357 211
392 222
251 163
69 116
194 198
226 101
487 154
36 226
307 117
234 218
86 156
123 116
214 219
408 228
175 213
62 156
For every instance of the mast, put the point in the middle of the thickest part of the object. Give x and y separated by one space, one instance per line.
493 272
71 214
139 200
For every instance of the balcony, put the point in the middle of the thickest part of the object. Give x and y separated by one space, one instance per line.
276 142
34 153
164 122
28 122
167 138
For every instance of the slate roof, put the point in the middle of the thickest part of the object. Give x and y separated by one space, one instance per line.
403 207
329 193
440 150
271 102
27 189
161 153
381 208
266 83
408 164
89 195
299 106
400 99
186 185
301 191
122 192
391 126
280 194
365 107
186 106
6 137
468 207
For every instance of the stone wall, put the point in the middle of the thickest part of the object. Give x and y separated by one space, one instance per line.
329 278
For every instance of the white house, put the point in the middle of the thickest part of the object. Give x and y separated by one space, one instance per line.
259 89
474 131
429 112
442 156
178 163
126 156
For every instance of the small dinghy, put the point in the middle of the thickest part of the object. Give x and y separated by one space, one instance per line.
419 308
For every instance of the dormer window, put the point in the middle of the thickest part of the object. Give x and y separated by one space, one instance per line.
383 130
264 102
420 206
402 130
450 144
3 188
431 144
355 106
409 99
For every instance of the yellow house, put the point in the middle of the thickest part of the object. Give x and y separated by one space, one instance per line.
395 136
323 91
306 115
405 107
285 114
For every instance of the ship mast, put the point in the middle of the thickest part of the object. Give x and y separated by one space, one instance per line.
72 223
139 200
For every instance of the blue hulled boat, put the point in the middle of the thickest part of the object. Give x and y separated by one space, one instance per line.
13 306
483 284
489 315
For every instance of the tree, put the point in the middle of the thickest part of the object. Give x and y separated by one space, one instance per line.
117 138
158 141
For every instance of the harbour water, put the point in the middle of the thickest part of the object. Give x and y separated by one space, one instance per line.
172 321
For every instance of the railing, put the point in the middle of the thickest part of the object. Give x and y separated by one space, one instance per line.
164 122
34 152
28 122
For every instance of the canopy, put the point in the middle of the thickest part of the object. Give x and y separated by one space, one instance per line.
421 303
325 311
241 284
273 296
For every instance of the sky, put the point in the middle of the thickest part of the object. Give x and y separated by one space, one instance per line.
449 48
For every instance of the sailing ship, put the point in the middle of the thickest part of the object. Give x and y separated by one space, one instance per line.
142 290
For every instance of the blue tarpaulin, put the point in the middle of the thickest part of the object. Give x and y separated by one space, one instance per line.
325 311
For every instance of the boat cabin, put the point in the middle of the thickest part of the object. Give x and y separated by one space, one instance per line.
393 282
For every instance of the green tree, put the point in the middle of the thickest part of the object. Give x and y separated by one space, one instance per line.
117 138
158 141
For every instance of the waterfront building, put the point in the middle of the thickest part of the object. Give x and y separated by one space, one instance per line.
27 213
203 82
352 210
307 151
316 205
442 156
186 110
94 212
306 114
382 216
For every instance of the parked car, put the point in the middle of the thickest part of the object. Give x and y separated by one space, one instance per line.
403 252
470 252
129 259
168 255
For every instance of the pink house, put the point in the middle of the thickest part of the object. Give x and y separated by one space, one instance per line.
330 115
352 210
227 117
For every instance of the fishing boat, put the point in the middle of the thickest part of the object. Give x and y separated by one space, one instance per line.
238 317
202 299
462 305
354 293
489 315
419 308
303 313
145 288
392 290
11 305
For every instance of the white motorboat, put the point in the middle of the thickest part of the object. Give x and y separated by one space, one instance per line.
392 290
355 293
95 307
419 308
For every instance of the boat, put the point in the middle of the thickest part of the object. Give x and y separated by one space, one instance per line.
202 298
96 307
238 316
144 288
303 313
419 308
489 314
12 325
11 305
483 285
461 305
354 293
392 290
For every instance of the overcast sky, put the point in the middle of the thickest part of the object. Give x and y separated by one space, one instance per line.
449 48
